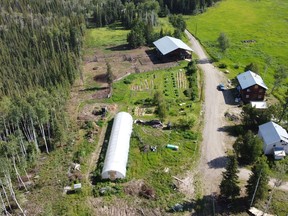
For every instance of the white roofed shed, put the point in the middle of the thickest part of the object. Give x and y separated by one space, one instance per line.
259 104
118 147
273 136
168 44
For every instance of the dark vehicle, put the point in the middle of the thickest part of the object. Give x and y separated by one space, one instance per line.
221 87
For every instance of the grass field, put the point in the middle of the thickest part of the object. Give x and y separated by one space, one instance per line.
115 35
131 94
102 38
263 21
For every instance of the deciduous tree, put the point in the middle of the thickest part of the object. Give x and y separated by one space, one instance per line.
223 41
252 67
280 77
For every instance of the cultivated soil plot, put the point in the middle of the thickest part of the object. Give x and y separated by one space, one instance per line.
123 62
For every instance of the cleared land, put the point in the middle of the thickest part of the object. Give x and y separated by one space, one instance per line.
147 170
262 23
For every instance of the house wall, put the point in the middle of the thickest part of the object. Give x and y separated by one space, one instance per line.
253 93
268 149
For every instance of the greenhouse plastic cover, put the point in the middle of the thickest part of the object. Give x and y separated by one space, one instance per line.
118 147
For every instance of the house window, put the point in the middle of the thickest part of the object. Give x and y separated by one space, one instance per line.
259 96
256 87
247 96
248 90
261 90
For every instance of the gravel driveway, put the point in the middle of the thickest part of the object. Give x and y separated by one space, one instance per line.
213 158
215 140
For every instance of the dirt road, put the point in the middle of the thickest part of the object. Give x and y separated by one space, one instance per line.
215 140
213 158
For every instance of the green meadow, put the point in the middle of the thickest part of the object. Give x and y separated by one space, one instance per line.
115 35
102 38
265 22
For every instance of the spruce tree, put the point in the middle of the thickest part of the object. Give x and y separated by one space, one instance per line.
257 186
109 74
248 148
229 184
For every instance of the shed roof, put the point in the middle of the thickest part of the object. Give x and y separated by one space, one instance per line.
118 147
168 44
259 104
279 152
250 78
272 132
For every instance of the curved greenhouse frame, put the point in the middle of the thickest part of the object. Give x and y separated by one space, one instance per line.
118 147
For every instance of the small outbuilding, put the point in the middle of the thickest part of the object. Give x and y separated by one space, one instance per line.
259 104
275 139
251 87
171 47
118 147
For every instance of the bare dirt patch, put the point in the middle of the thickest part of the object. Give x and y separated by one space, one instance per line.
118 206
124 62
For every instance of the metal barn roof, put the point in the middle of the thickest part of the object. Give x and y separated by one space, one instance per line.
168 44
118 147
272 132
250 78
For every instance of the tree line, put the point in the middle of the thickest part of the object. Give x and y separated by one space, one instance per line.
106 12
40 52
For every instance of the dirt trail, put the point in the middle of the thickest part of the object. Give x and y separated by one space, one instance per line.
215 140
213 158
244 175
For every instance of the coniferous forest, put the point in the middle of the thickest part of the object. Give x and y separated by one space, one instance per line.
40 55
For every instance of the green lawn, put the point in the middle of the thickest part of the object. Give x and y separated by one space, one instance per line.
264 21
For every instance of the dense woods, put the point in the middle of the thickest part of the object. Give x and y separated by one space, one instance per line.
41 43
40 55
106 12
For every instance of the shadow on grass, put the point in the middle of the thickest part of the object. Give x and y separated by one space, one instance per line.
96 175
211 205
218 163
101 78
121 47
94 89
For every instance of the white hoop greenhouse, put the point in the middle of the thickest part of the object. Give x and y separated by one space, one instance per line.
118 147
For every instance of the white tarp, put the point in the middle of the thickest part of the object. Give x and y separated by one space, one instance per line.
259 104
258 212
118 147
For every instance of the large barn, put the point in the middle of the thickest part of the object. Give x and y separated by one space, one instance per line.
118 147
170 47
